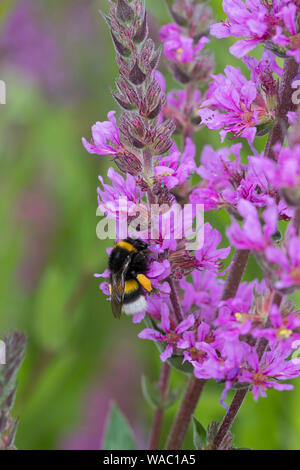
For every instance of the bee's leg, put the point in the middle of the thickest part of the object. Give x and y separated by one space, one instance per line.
145 282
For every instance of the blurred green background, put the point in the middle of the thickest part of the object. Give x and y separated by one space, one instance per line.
58 63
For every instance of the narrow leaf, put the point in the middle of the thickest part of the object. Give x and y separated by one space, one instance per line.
118 435
199 434
151 392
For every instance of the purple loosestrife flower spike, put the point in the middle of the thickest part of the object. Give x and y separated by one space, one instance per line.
240 334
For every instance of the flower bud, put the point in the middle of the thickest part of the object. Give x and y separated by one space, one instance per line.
120 48
124 12
124 104
163 141
141 32
127 162
150 106
136 75
133 129
180 75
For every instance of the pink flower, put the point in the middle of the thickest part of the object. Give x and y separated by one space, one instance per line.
257 22
192 342
218 168
282 329
106 137
177 99
121 198
234 105
265 374
251 236
237 316
203 294
285 171
219 172
207 196
209 256
222 362
262 70
287 261
170 336
179 47
176 168
248 20
159 271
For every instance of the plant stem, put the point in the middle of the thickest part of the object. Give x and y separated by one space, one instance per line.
229 417
148 163
148 173
297 221
263 342
185 413
189 103
158 416
235 274
175 301
286 104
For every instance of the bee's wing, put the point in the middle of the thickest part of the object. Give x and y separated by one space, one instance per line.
117 288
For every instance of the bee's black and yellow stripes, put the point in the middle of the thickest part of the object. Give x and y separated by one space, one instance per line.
125 245
132 291
131 286
127 263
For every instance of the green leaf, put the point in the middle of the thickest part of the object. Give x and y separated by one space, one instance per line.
264 128
151 392
118 434
199 434
173 396
277 50
176 362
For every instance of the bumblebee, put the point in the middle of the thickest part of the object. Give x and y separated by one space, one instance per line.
128 263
